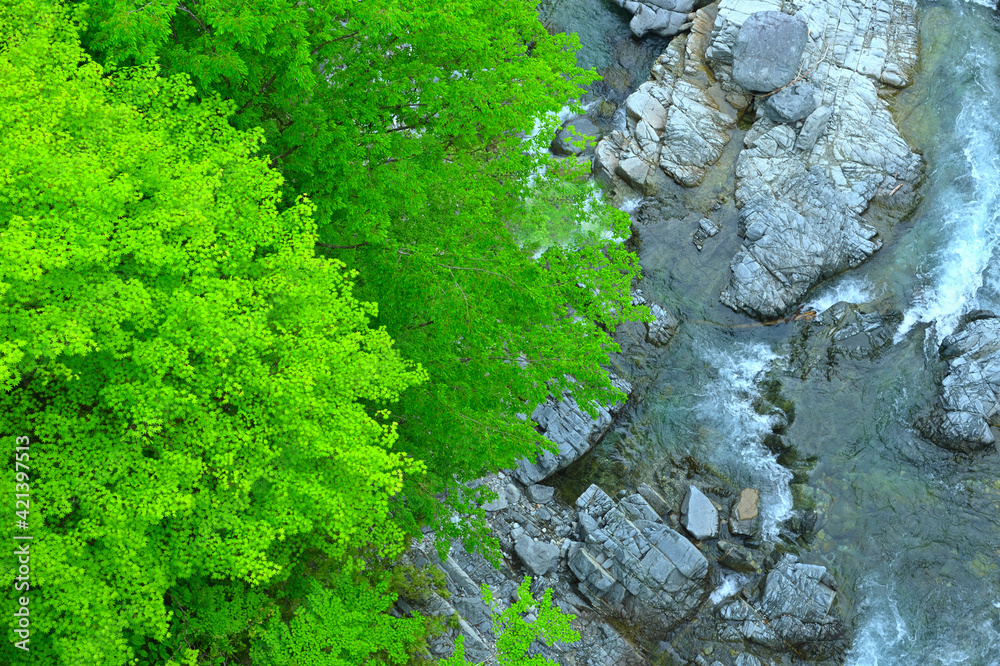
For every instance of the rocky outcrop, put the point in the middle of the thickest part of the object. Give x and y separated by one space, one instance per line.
572 429
802 193
629 559
818 151
677 123
967 416
660 17
794 610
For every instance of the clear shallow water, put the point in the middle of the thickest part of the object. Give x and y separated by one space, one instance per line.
912 532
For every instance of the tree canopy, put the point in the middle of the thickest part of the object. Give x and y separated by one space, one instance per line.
198 386
409 124
277 277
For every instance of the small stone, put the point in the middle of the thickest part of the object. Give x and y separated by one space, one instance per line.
698 515
813 128
743 516
791 104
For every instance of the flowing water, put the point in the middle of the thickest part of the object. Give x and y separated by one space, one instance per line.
911 531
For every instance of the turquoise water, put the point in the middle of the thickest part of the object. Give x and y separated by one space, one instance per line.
912 532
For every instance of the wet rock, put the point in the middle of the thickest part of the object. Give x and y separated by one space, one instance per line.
699 516
768 50
737 558
662 328
572 429
792 104
795 608
540 494
661 17
967 415
583 129
743 516
706 229
539 557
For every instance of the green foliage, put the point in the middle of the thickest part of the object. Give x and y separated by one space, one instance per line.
517 627
342 625
205 398
405 123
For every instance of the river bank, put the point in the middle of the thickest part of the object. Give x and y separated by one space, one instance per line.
819 414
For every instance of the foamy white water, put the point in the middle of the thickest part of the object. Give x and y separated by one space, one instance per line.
967 209
731 584
886 638
849 289
727 403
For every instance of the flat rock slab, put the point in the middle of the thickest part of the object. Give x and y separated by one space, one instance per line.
768 50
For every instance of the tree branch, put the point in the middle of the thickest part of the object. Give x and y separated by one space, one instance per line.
262 90
283 155
331 41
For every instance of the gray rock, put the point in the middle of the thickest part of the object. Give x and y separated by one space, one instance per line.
795 608
571 429
967 415
498 504
540 494
654 499
675 123
539 557
768 50
801 198
660 331
737 558
699 516
637 508
747 659
661 22
813 128
634 563
792 104
709 227
583 129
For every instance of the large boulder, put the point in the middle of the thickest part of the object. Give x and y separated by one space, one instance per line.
635 564
768 50
967 415
572 429
539 557
660 17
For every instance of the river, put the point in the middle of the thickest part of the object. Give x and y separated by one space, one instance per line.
911 532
